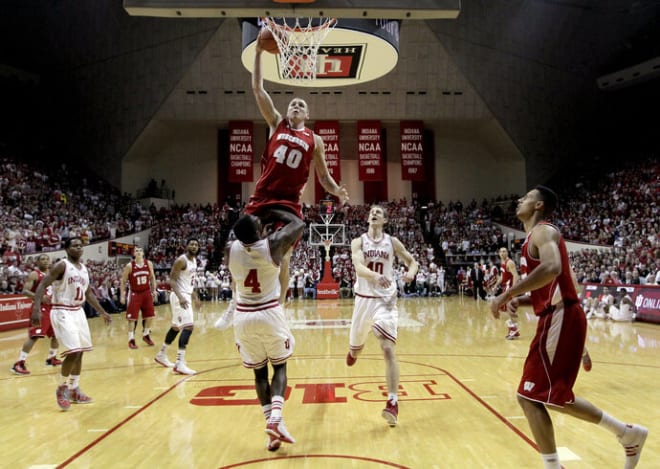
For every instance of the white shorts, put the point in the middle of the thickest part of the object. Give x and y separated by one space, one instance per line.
378 314
71 329
181 317
263 335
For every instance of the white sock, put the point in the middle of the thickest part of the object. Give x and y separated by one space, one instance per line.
276 408
551 461
22 356
52 352
266 410
392 396
74 381
181 355
613 425
131 335
146 332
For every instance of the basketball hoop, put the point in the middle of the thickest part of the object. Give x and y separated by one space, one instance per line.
298 44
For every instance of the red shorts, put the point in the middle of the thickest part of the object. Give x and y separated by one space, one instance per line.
554 357
259 206
140 301
45 329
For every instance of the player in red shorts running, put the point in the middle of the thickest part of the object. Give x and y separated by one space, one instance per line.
139 274
44 329
556 350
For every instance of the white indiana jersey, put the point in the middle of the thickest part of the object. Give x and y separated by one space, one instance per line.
379 257
186 280
69 292
255 274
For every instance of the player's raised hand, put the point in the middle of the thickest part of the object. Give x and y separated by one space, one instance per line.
343 195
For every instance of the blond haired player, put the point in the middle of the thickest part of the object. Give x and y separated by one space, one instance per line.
375 307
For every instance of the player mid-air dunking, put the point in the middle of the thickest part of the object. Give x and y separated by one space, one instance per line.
285 164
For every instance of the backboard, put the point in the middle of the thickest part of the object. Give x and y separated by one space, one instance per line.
362 45
320 233
365 9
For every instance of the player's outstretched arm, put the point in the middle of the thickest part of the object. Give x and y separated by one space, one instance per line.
264 101
322 172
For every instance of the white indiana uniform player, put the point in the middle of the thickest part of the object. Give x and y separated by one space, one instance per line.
70 281
375 299
262 302
260 328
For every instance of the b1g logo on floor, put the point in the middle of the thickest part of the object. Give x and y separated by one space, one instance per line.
322 393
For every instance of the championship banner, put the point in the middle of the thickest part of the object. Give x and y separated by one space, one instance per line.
412 151
15 312
329 132
241 153
370 153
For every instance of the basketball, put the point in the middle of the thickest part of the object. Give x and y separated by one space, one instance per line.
267 42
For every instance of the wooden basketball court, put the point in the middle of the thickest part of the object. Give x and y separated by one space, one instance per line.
457 398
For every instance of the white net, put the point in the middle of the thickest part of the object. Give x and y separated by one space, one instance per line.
299 40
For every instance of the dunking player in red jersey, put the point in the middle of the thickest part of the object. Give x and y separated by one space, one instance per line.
285 167
555 353
139 274
285 164
43 330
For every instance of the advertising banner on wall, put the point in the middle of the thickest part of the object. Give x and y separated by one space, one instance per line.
645 297
15 311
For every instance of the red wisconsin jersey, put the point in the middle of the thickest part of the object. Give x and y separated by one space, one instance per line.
507 277
138 279
285 163
49 289
542 297
40 277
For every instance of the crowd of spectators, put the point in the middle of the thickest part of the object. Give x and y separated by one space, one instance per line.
39 207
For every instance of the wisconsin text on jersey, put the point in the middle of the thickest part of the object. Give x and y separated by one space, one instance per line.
293 139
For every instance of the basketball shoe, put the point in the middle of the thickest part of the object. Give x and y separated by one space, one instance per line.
632 440
181 368
19 368
53 361
162 360
586 361
350 359
279 431
132 344
147 340
273 444
62 395
79 397
391 413
514 332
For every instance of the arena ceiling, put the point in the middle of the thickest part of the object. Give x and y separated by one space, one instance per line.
533 65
